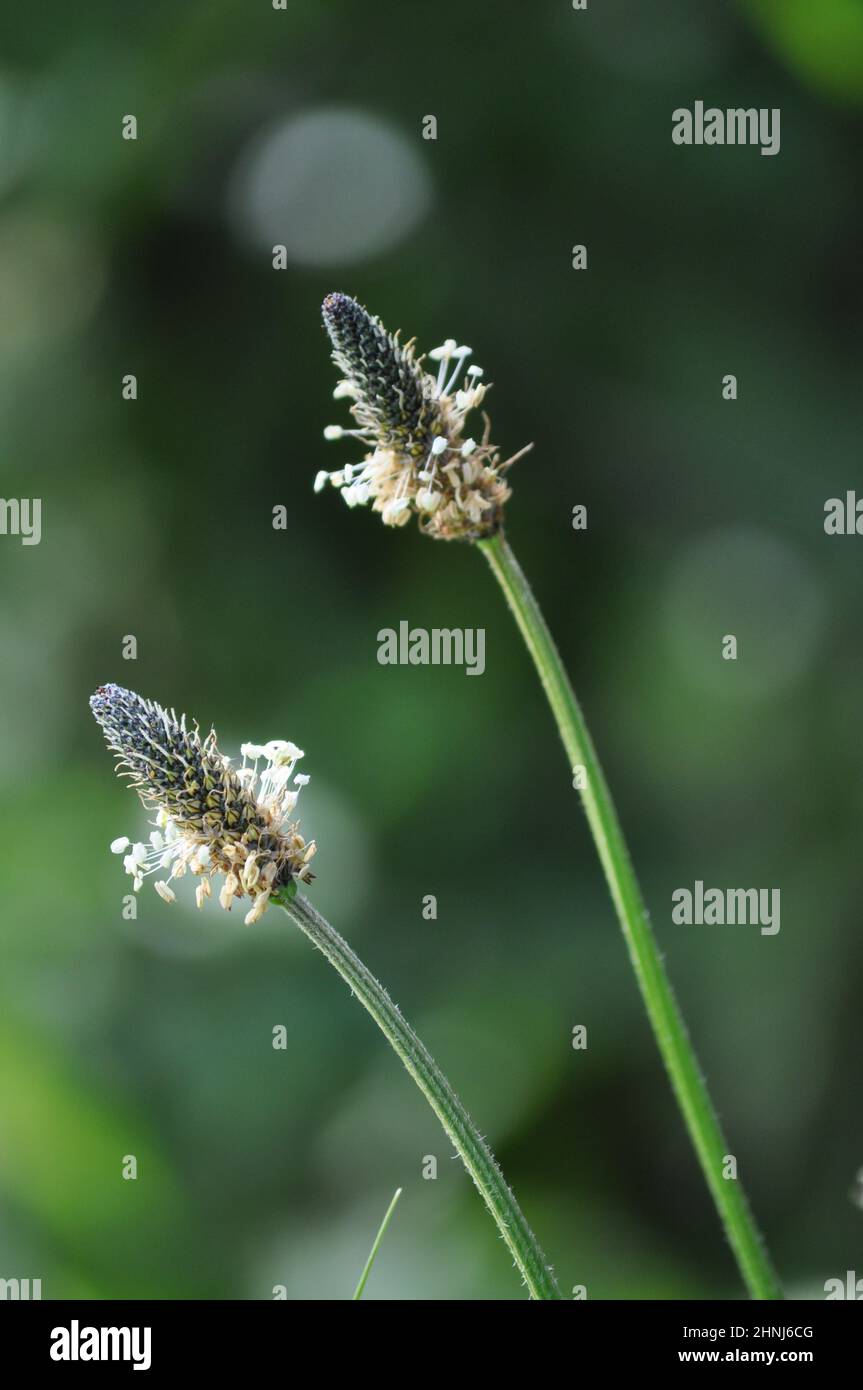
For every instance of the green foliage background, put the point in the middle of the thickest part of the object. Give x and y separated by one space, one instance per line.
259 1167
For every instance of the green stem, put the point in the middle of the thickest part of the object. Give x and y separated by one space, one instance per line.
663 1011
418 1061
382 1230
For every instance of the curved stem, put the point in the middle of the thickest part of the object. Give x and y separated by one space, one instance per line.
418 1061
663 1011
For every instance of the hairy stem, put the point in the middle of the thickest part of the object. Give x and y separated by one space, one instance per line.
418 1061
663 1011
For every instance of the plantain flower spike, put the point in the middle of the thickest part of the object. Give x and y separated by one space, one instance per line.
420 460
212 819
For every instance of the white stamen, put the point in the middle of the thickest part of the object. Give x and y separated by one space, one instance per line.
444 352
258 910
357 495
395 508
281 751
428 500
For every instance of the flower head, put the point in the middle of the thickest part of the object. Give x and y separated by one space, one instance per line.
419 460
212 819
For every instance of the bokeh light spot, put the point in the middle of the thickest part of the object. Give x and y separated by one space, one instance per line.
332 185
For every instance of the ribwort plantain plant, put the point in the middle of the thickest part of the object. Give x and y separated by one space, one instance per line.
214 820
420 461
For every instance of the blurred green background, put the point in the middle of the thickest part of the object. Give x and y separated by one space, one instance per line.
303 127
